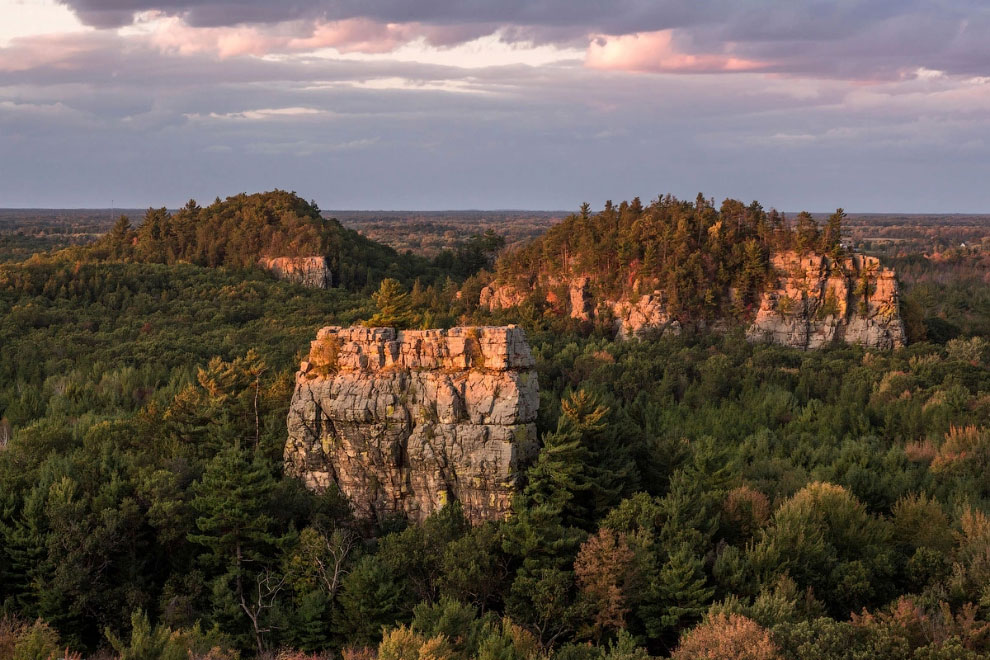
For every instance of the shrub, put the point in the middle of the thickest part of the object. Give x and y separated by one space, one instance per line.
324 355
36 642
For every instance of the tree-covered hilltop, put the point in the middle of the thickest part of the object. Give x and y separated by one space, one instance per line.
710 261
238 231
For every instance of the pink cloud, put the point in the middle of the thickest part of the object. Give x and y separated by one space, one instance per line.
171 34
56 50
654 52
354 35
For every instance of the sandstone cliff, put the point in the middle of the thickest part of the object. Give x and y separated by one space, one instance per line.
816 300
811 301
404 422
308 271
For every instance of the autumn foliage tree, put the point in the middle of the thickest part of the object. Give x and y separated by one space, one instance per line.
727 637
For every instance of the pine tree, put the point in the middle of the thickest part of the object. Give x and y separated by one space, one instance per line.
117 240
692 509
371 597
807 232
234 527
309 631
832 236
683 593
579 471
232 501
394 306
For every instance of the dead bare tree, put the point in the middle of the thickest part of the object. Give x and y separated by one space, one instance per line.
339 544
268 588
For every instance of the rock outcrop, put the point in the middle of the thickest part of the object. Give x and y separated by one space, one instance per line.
816 300
404 422
309 271
811 301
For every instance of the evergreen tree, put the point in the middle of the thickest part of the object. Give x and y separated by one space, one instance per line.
232 502
806 233
394 308
831 241
371 598
234 526
683 592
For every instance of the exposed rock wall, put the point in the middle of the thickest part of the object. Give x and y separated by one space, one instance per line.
309 271
811 301
816 300
404 422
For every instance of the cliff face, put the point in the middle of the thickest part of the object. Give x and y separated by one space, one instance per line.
817 300
404 422
811 301
308 271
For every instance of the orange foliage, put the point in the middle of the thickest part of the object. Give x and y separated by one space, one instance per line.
961 444
727 637
746 509
359 653
10 631
922 451
605 570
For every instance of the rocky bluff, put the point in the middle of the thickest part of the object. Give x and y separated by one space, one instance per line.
309 271
405 422
815 300
809 301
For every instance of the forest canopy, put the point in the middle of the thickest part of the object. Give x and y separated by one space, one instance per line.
694 496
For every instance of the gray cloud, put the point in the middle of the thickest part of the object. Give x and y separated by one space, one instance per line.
853 39
618 15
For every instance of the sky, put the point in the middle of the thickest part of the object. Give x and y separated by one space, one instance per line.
871 105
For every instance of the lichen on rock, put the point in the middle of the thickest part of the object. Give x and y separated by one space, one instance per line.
405 422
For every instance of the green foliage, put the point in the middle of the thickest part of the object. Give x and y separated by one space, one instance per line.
683 590
160 643
824 539
372 596
37 642
393 306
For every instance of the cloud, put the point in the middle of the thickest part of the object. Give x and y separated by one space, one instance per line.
655 52
261 114
173 34
866 40
502 104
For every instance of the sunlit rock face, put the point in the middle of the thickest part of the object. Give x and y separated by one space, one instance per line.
810 302
309 271
816 300
405 422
